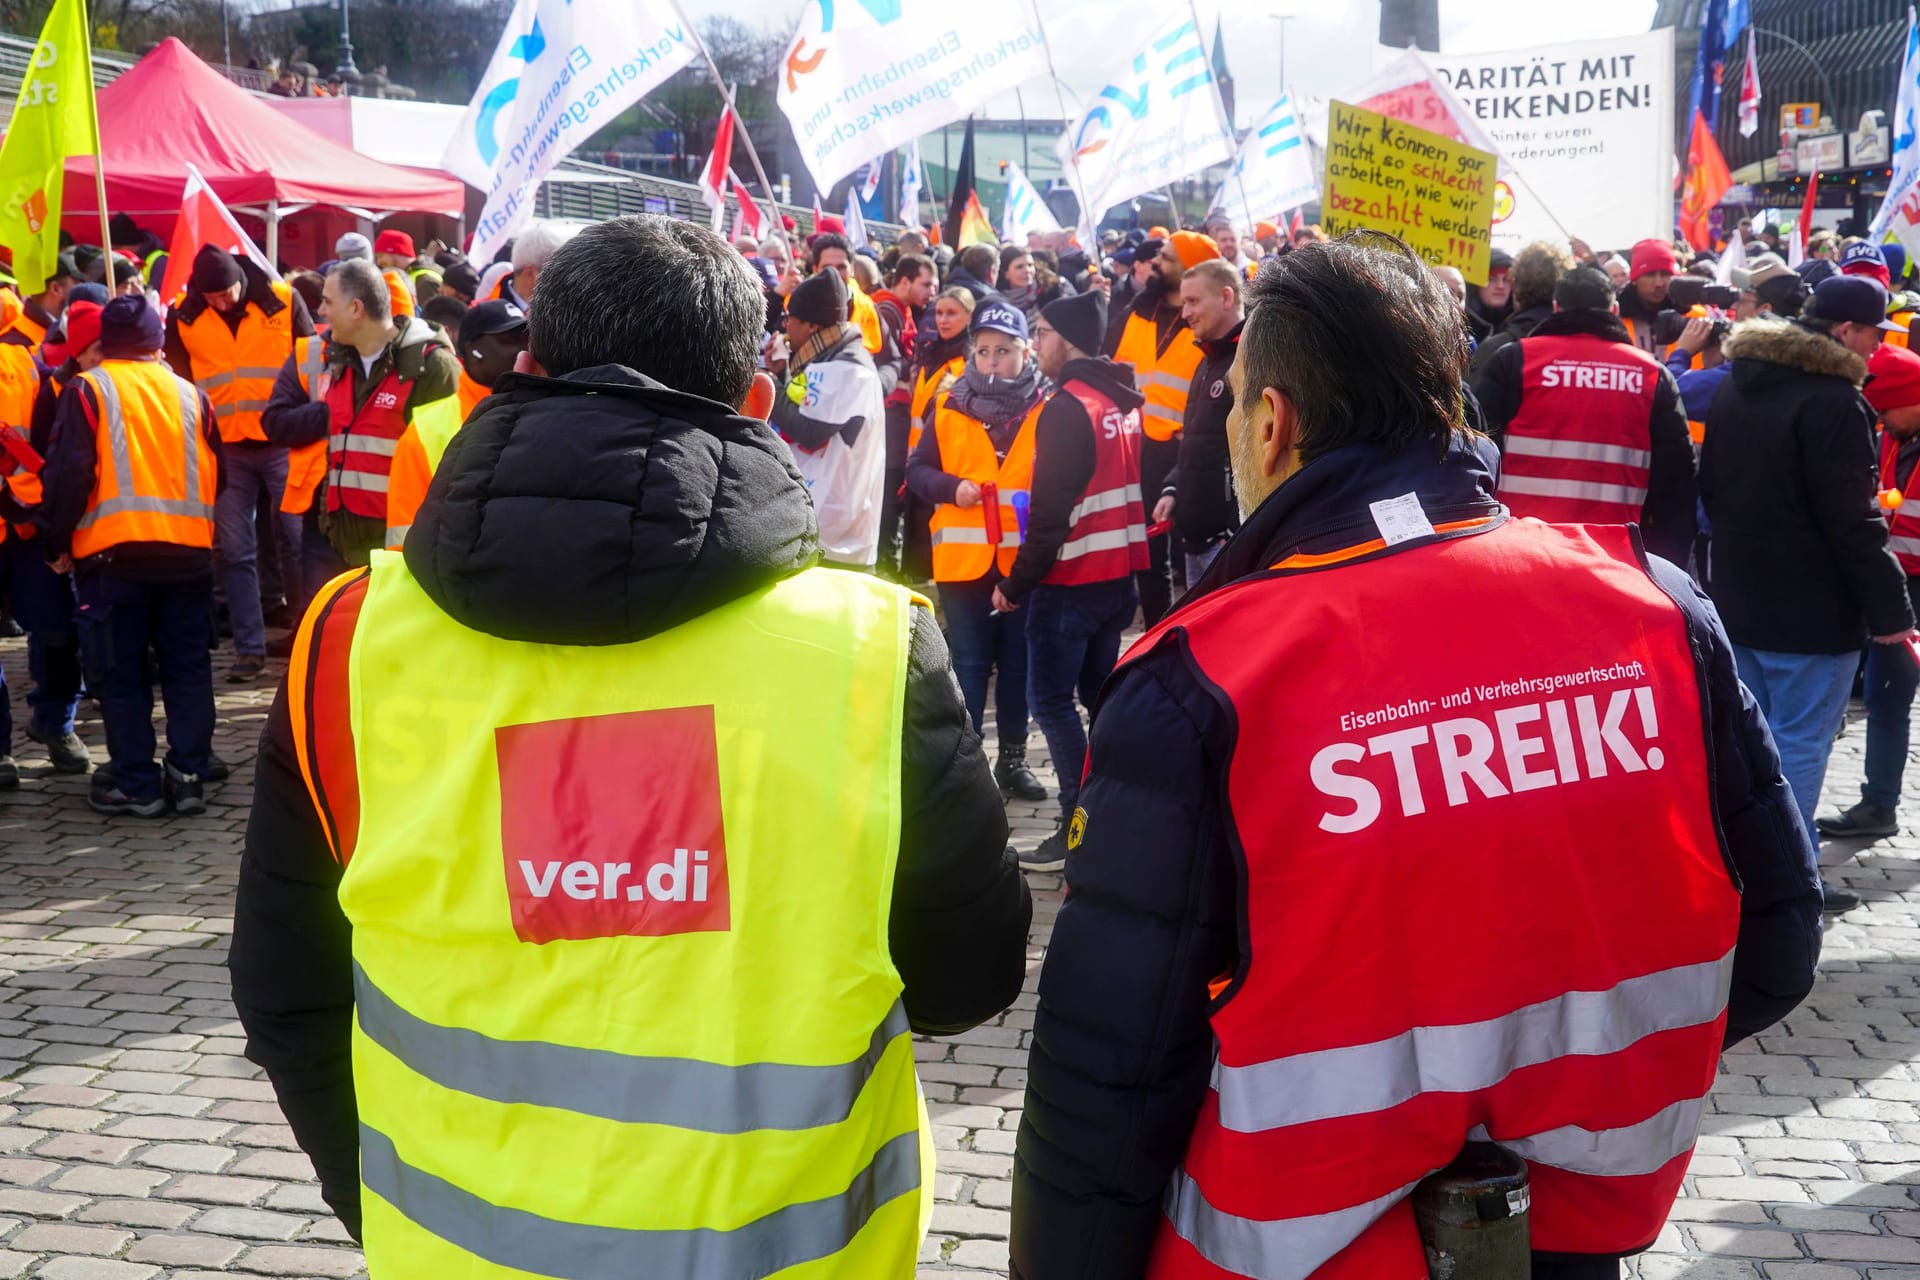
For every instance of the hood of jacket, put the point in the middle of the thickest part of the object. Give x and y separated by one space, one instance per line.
259 292
1325 506
603 508
1765 345
1582 324
1524 321
1107 376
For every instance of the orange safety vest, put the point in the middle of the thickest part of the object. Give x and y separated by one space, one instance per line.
1163 376
1905 320
968 541
155 474
1580 448
35 332
19 387
866 317
307 465
1538 815
236 368
399 292
471 393
926 385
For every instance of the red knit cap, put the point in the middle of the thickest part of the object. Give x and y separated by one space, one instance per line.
1895 383
1650 256
83 326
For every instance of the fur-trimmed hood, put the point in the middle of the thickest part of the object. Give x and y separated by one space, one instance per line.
1782 342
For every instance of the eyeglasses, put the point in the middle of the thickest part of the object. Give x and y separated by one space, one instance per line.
1041 330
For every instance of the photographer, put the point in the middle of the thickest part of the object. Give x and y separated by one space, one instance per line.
1589 426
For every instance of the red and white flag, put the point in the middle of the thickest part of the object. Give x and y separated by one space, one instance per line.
1299 221
1797 247
204 220
749 221
713 178
817 215
1750 92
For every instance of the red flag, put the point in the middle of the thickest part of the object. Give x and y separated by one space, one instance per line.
1805 229
1750 92
1707 180
749 220
1299 221
203 220
713 179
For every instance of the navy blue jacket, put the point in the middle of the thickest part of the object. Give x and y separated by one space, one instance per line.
1122 1048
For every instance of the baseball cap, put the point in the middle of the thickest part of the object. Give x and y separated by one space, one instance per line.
1863 259
1760 269
1001 317
497 316
1851 300
395 242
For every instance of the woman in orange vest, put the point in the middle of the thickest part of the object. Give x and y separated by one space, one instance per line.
939 357
976 467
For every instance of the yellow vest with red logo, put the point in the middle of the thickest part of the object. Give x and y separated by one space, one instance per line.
1162 376
236 368
307 465
968 541
155 475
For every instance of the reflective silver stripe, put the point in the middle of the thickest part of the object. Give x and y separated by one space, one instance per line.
1470 1056
189 397
359 480
138 505
1174 380
397 536
232 407
126 501
1585 490
380 446
214 381
116 437
311 367
684 1092
522 1241
229 376
1269 1249
1583 450
1630 1151
1905 546
1094 503
1109 540
973 535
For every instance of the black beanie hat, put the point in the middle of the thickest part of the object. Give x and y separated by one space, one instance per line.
1080 319
820 299
129 327
214 269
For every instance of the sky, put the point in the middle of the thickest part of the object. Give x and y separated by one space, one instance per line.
1328 45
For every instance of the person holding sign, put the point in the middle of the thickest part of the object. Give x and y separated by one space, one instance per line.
1590 427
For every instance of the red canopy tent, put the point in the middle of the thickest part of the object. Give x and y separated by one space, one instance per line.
172 110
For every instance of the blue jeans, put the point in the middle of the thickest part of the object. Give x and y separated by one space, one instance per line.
1891 679
981 641
120 620
1804 698
43 604
1073 640
252 470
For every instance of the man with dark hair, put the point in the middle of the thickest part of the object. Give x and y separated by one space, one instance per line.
1245 1056
975 270
538 860
1536 270
1590 428
908 293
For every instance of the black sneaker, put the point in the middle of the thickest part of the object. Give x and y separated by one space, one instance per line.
218 770
1049 855
66 751
1860 822
185 791
112 800
9 773
1837 901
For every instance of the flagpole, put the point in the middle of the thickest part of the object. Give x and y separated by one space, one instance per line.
1087 217
99 161
746 134
1233 138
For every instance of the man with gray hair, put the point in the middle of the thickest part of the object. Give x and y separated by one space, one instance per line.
377 376
532 250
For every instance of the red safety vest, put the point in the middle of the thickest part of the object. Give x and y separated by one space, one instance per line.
1532 827
1580 448
360 445
1903 521
1108 534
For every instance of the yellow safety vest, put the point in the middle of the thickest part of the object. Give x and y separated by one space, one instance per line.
1161 376
963 551
415 459
866 318
699 1065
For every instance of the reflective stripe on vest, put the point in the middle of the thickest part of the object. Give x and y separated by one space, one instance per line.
361 443
307 464
962 551
147 500
1903 522
1434 792
1107 534
768 1120
1164 377
236 367
1579 448
19 388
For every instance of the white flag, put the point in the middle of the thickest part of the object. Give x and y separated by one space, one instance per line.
1159 120
1025 211
1906 139
1734 259
910 185
1276 168
856 220
866 77
559 73
870 179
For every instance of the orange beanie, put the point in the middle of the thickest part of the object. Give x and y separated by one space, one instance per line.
1193 248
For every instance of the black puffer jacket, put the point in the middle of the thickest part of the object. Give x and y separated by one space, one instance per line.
1788 477
601 509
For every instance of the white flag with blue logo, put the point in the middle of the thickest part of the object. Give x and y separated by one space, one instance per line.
1025 211
1276 169
560 72
1906 139
1157 120
910 185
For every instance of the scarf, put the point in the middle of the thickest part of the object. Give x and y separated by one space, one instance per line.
935 350
1026 300
816 346
996 401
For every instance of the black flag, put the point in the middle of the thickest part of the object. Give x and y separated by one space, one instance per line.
962 179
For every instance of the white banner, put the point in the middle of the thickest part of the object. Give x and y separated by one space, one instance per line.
1025 211
1587 126
1906 145
860 78
1276 170
560 72
1159 120
910 185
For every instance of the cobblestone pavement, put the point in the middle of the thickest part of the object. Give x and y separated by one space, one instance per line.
137 1144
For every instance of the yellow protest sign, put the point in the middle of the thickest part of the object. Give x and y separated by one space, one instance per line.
1432 192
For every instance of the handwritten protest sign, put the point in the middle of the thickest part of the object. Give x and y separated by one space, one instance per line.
1432 192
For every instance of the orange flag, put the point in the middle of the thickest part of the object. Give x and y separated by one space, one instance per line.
1707 180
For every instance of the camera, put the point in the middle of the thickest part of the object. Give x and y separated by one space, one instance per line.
1668 326
1683 295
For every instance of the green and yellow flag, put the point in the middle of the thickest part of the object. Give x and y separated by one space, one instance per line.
52 119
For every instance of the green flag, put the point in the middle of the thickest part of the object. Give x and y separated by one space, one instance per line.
52 119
